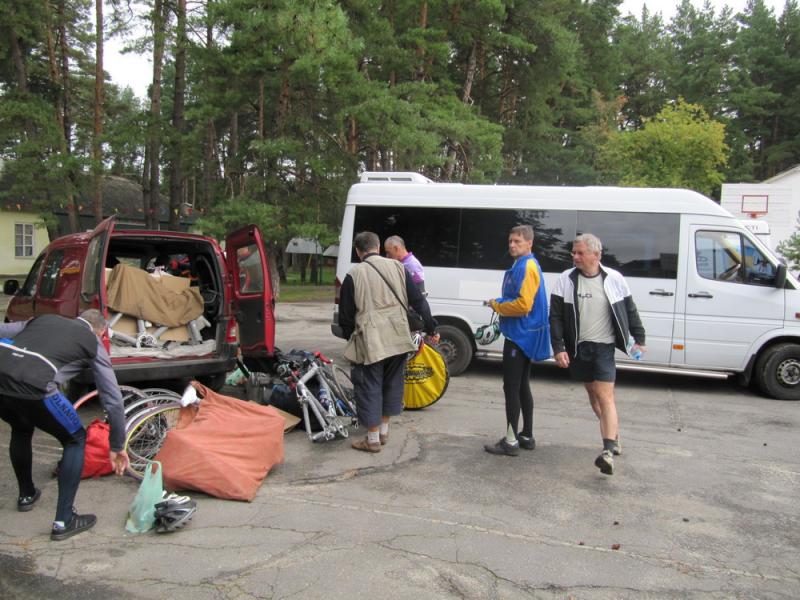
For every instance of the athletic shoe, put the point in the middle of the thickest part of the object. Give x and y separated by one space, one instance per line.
617 449
25 503
528 443
77 524
605 462
502 447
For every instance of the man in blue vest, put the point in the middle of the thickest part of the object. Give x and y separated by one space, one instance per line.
36 357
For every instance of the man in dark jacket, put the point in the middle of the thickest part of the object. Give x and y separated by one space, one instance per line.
35 358
591 313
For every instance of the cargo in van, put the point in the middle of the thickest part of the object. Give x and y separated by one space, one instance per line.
714 299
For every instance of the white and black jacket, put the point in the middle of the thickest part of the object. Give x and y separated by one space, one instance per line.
565 320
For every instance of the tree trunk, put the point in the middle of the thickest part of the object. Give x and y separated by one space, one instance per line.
176 179
154 136
57 77
97 150
232 168
208 155
423 24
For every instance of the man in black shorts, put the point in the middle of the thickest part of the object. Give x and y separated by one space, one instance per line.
591 313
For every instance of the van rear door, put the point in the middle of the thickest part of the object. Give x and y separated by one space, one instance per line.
93 277
253 299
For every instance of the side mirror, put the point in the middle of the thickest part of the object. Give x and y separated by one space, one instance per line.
10 287
780 276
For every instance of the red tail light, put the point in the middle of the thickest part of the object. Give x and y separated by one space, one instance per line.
337 286
231 335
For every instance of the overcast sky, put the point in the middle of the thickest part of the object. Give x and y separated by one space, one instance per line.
136 71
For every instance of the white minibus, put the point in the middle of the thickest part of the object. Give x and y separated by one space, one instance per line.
713 297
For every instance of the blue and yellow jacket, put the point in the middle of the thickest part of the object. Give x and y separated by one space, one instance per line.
523 308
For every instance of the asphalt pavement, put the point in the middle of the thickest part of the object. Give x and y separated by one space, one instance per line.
703 504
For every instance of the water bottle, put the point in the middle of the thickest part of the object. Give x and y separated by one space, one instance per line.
634 353
323 397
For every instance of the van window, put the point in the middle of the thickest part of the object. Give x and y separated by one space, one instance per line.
758 270
249 260
29 287
636 244
89 283
718 255
52 268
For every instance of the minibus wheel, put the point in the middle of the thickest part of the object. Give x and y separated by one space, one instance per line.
778 371
455 347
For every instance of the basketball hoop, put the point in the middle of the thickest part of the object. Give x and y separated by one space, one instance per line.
755 205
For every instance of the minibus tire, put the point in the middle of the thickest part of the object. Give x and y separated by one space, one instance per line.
778 372
456 348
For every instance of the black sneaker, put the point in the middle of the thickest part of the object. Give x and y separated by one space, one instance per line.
77 524
528 443
25 503
502 447
605 462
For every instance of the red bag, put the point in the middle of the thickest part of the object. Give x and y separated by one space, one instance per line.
96 460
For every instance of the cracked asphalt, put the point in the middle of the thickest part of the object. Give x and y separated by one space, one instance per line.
704 504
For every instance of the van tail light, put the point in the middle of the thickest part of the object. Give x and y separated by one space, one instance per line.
106 340
231 335
337 287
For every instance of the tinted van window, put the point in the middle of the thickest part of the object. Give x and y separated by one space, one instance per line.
636 244
47 286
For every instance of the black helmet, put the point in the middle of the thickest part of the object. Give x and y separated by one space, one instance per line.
174 512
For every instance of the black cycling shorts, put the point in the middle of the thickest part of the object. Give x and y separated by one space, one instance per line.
594 362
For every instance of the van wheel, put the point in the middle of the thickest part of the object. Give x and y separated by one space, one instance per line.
778 372
455 347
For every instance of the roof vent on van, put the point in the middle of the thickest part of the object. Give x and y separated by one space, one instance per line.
392 177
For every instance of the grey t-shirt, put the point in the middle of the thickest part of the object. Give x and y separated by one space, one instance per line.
594 310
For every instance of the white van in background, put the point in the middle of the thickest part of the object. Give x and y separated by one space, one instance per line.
713 297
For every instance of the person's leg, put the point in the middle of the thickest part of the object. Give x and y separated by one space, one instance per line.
367 389
394 369
55 415
603 391
19 449
514 366
526 400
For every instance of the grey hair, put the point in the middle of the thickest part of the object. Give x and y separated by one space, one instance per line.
593 243
366 241
95 318
394 240
526 231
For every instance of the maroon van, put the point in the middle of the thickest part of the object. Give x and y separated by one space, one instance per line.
238 306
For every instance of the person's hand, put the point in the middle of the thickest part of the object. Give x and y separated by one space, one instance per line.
432 338
489 303
562 359
120 461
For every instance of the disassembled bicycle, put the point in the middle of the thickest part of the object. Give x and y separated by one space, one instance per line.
333 406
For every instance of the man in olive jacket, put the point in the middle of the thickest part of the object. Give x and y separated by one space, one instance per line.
372 313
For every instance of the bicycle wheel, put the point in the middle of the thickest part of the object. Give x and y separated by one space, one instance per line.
127 392
145 436
134 409
426 379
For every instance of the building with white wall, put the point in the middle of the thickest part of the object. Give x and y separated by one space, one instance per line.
775 200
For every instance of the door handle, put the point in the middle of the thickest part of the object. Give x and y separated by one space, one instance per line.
660 292
701 295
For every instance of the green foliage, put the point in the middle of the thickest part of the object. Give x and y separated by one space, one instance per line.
790 250
679 147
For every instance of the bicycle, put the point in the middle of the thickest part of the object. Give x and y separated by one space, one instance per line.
145 434
333 406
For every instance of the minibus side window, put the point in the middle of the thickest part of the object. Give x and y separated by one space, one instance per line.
718 255
29 287
47 287
757 269
637 244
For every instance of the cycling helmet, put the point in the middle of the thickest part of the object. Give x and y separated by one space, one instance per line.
174 512
486 334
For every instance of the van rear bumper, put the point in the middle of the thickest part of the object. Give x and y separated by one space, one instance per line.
173 369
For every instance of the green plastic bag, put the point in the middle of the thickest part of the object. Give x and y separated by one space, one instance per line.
142 513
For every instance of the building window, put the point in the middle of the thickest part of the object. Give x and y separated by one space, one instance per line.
23 240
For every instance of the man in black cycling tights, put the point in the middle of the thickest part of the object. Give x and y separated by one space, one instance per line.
35 358
523 322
